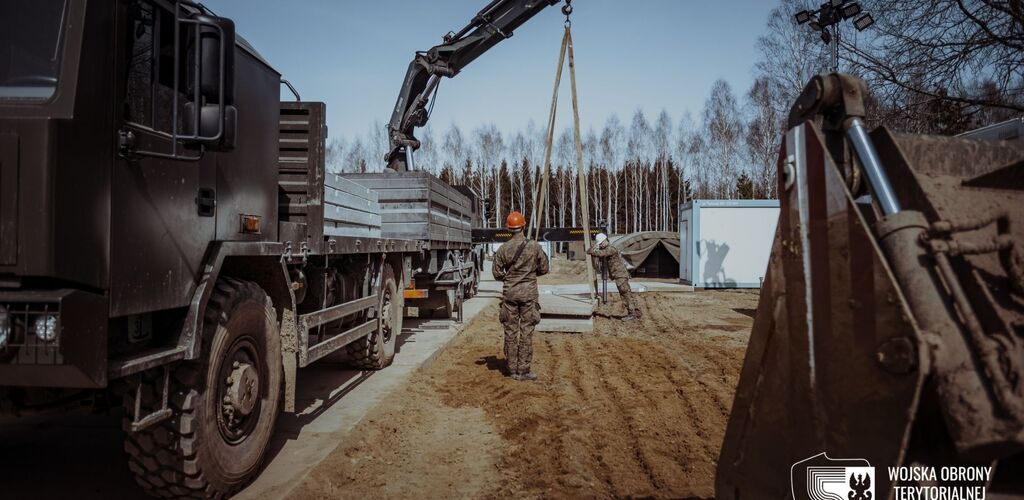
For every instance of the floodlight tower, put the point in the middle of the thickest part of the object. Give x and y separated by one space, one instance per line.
826 19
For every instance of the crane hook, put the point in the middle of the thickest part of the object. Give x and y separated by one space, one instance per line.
567 10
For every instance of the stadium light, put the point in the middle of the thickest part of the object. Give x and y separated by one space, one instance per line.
825 21
850 10
863 22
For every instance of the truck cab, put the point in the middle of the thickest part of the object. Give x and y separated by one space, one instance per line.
139 230
110 194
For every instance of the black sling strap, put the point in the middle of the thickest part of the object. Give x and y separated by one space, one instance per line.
519 252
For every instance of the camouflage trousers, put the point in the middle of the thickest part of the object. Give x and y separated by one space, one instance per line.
628 299
519 317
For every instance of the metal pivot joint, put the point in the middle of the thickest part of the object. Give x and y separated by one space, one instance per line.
838 101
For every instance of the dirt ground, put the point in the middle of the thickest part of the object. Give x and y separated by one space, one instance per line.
566 272
633 409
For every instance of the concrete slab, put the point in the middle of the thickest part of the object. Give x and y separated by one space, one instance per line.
334 399
636 286
566 325
555 304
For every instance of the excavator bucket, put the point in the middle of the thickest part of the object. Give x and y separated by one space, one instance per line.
884 339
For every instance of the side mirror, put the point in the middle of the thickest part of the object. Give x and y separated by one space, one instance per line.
210 120
216 36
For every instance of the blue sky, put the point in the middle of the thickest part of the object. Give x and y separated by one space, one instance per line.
630 54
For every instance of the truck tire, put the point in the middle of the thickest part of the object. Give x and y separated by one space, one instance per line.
376 350
214 442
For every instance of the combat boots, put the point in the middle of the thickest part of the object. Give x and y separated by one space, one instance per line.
527 377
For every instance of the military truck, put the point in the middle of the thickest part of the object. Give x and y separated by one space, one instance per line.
168 235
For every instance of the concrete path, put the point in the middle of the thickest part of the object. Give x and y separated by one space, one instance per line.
334 399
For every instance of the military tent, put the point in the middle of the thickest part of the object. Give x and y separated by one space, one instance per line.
650 254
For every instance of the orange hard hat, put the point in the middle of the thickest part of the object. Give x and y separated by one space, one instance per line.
515 220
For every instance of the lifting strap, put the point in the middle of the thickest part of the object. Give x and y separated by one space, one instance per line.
540 198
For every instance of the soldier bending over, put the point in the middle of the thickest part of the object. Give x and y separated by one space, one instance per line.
617 271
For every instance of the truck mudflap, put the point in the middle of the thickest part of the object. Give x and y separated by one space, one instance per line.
54 338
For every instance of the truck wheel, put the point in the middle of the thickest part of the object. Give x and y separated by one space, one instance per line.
224 405
376 350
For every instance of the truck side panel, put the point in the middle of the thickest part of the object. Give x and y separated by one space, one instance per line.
242 181
300 169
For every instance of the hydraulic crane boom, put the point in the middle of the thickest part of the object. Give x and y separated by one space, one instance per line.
491 25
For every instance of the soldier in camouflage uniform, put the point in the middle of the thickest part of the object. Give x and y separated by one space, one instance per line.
617 272
517 264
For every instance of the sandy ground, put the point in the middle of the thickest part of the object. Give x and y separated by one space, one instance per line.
634 409
566 272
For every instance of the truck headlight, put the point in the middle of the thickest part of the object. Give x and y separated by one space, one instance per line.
46 327
5 327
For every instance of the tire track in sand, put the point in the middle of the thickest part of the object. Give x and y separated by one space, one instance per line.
628 472
612 383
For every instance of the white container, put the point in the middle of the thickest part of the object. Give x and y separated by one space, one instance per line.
726 243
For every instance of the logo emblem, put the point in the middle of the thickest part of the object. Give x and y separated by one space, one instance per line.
823 478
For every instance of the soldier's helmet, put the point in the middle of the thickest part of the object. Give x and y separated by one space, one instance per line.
515 220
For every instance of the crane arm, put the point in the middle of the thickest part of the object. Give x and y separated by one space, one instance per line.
491 25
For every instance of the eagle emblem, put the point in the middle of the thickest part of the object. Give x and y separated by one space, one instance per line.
860 487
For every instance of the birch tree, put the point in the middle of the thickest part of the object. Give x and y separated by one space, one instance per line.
763 135
723 127
355 157
426 155
334 159
376 146
455 153
638 154
489 146
662 137
565 152
611 157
